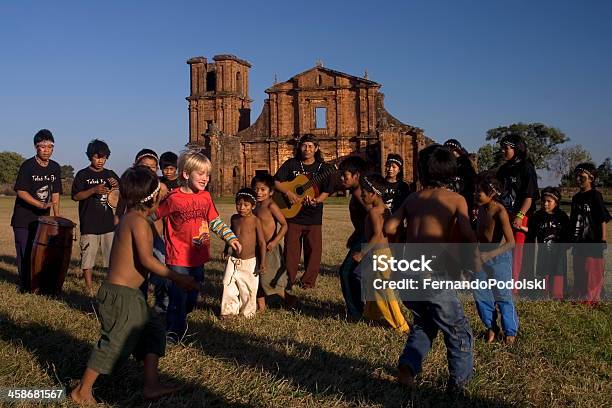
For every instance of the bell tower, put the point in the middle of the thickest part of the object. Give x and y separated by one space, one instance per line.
219 96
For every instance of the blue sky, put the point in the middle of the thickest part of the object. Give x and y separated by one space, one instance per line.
117 71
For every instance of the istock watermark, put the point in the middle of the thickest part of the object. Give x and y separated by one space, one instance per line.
418 272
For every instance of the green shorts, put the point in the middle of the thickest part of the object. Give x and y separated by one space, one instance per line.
128 326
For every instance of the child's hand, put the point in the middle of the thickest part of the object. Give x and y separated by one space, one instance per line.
186 283
261 270
271 245
235 244
113 182
357 256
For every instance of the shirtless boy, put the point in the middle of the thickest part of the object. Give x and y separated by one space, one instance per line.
127 324
241 281
493 226
274 280
432 213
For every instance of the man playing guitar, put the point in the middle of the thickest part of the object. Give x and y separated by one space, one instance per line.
306 225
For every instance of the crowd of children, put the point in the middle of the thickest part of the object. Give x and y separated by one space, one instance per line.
159 235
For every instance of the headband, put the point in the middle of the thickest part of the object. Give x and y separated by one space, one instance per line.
45 143
580 169
245 194
492 187
454 145
377 191
142 156
150 196
553 195
396 161
507 143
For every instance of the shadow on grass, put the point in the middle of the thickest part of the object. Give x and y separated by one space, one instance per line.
64 357
322 373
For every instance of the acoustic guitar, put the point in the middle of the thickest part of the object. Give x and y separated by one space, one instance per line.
302 186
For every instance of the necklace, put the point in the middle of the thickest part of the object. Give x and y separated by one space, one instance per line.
304 171
40 162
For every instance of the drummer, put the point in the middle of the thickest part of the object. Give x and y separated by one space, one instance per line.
96 218
38 187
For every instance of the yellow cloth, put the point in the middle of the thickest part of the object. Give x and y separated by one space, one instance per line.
386 307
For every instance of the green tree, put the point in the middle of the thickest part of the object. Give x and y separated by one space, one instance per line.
604 173
564 162
488 157
9 166
542 141
66 171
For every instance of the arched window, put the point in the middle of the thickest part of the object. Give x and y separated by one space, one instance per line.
319 80
239 82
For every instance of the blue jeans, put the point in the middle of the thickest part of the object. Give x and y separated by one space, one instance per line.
441 312
350 281
181 303
499 268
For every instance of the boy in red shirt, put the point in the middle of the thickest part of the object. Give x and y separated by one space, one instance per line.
191 216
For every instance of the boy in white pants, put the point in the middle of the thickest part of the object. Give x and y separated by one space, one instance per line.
241 278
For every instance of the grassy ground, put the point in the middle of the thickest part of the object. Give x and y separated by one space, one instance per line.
309 358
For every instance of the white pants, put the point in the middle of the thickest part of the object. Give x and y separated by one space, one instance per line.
239 287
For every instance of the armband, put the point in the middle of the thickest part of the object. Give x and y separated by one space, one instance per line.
222 230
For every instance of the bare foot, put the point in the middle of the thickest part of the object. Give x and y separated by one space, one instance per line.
510 340
158 391
82 399
405 376
261 305
490 336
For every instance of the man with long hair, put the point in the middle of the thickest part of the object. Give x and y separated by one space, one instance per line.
306 225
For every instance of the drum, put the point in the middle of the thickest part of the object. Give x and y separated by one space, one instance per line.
113 198
51 253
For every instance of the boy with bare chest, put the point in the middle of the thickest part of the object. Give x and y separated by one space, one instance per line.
384 307
127 324
241 281
432 214
493 226
274 280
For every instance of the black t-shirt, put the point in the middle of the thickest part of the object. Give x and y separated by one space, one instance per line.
549 228
588 212
519 181
324 184
171 184
95 216
41 182
395 194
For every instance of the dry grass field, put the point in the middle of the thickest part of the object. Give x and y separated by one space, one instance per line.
309 358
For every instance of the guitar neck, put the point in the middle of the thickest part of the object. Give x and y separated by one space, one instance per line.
318 177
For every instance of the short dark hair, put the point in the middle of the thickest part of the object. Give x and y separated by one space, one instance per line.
267 179
587 167
137 187
517 142
437 166
43 135
551 192
354 165
146 153
98 147
373 183
487 182
246 194
168 159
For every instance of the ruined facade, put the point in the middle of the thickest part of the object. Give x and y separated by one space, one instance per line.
346 114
